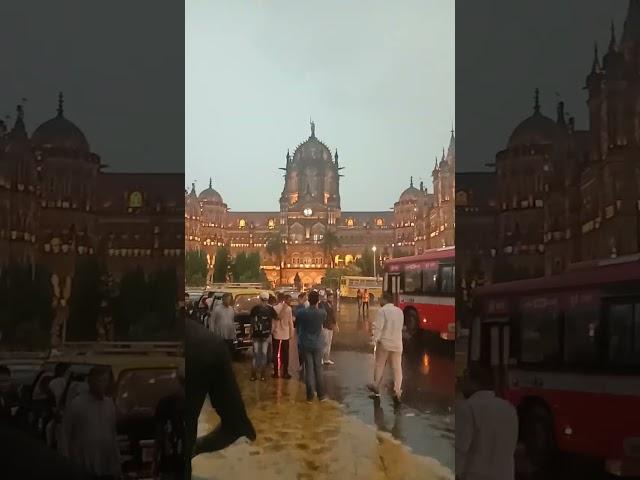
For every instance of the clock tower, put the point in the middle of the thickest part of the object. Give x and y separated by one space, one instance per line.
309 208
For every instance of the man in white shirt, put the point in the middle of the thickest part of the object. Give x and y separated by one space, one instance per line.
90 429
486 431
387 340
222 321
281 333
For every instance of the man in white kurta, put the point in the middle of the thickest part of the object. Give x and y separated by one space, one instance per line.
89 426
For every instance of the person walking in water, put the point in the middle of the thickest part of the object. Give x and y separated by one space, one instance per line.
387 338
309 322
262 318
365 303
282 332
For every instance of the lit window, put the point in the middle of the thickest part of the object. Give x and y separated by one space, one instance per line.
379 222
135 200
272 224
350 222
242 223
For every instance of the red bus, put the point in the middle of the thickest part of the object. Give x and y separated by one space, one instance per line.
565 351
424 288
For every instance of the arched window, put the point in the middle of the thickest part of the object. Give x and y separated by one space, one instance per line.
379 222
135 200
271 224
242 223
350 222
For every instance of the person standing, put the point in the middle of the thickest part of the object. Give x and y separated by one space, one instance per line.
57 386
365 303
169 463
223 323
359 298
486 431
387 338
310 321
89 427
302 304
262 317
328 327
282 332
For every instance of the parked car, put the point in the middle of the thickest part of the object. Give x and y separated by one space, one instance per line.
141 374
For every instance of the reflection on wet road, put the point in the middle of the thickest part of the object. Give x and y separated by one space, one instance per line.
425 421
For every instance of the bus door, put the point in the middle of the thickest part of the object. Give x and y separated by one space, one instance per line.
490 346
393 285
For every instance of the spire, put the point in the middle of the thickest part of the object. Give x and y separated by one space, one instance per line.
288 156
442 159
60 104
313 128
411 182
336 156
595 68
421 186
612 40
193 188
452 141
536 101
560 119
18 126
210 183
631 31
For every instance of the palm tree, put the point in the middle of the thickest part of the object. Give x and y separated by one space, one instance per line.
330 242
276 248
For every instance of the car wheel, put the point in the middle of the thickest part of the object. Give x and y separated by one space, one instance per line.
538 438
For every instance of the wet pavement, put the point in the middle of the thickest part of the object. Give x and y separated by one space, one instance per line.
353 435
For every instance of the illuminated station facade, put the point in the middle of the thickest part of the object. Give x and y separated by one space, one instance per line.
311 211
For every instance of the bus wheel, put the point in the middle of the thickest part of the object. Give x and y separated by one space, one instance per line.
411 324
537 436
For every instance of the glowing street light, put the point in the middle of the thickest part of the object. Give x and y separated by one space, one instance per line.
374 261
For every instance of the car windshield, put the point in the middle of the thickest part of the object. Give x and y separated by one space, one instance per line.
244 303
139 390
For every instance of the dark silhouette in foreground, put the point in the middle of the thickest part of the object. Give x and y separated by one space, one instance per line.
209 372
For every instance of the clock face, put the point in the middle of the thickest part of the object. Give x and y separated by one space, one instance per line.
307 212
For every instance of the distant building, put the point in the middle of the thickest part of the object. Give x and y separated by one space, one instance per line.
568 195
310 210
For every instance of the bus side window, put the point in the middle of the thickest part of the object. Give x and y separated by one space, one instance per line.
447 282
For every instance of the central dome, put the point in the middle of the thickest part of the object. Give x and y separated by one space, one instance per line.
312 151
210 195
60 133
536 129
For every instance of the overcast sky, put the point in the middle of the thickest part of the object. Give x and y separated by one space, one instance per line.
377 77
120 65
505 49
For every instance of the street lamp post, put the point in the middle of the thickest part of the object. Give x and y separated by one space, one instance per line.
374 262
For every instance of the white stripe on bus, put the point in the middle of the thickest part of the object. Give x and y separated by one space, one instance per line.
576 382
449 301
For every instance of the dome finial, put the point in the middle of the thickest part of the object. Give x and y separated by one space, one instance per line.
411 182
210 183
313 128
193 188
536 101
60 104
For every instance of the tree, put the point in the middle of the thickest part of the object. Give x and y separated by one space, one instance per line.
330 242
84 304
365 263
195 268
276 248
246 267
222 264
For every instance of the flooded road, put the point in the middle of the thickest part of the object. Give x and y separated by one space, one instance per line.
353 436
